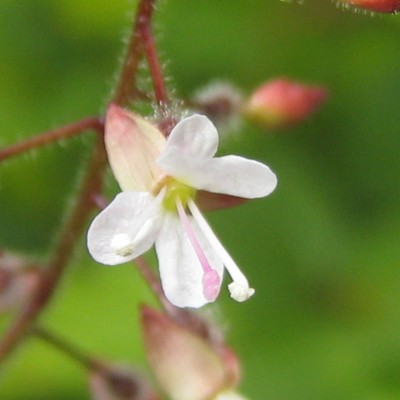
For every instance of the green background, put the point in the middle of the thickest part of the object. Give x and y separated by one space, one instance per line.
322 251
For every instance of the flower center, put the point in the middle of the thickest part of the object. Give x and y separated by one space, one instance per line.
177 190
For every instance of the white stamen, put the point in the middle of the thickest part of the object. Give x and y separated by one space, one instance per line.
239 288
122 244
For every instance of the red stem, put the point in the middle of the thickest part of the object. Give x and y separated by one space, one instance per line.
126 385
67 348
126 91
154 66
90 187
180 315
154 283
50 277
66 131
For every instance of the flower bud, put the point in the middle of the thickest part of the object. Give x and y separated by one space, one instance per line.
383 6
186 365
221 102
281 103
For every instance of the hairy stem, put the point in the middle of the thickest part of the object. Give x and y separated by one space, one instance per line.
126 87
91 185
66 131
154 66
123 383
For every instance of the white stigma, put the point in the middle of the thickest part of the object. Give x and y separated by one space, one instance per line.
122 244
240 292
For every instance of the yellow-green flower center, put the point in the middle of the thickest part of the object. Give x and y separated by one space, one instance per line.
177 190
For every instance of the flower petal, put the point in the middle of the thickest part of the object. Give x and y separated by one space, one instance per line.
195 137
125 229
132 144
232 175
180 270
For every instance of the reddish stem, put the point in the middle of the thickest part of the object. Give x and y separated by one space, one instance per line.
182 316
123 384
125 90
148 275
154 66
67 348
50 277
90 187
66 131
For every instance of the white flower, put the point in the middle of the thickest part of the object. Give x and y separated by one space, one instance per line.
159 178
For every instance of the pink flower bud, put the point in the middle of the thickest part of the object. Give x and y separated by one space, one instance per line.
383 6
280 103
186 365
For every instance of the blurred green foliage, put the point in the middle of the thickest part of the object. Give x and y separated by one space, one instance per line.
322 251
